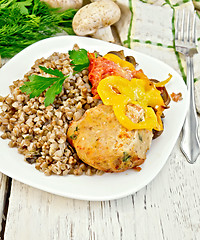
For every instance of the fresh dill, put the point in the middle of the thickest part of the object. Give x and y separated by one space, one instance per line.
23 23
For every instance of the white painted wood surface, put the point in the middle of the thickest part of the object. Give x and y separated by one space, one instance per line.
167 209
3 192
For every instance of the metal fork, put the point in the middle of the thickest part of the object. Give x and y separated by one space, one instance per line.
185 42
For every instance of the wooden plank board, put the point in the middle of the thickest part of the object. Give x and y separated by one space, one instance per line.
3 195
3 183
168 208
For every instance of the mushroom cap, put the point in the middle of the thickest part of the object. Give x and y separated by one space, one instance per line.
95 15
64 4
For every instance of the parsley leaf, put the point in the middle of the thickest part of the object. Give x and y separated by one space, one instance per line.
54 90
51 71
79 59
38 84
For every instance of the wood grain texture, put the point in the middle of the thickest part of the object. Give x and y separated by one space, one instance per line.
3 182
3 193
168 208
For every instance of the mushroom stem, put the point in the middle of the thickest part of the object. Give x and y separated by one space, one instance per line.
104 34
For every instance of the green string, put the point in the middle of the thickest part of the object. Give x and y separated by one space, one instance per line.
130 25
129 40
148 42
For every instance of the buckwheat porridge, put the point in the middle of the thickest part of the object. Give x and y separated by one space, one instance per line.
39 132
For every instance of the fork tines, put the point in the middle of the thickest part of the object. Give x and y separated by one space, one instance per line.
186 21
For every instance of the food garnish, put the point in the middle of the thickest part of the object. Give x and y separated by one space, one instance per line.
23 23
38 84
79 59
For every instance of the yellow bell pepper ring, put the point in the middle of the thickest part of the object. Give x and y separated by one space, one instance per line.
122 63
150 120
107 89
118 92
163 83
140 90
146 93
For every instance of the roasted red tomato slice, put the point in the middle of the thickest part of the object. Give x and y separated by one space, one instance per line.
101 68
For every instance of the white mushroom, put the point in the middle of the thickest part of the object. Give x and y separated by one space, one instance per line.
64 4
105 34
197 95
196 4
96 18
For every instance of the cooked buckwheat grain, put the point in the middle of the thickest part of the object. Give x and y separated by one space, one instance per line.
39 132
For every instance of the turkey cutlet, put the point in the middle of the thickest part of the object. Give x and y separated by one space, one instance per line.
102 142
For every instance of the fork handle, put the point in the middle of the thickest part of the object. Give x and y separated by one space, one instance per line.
190 144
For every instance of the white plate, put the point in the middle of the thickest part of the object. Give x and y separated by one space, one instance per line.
107 186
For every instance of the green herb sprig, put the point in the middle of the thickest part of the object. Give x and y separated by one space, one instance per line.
23 23
38 84
79 59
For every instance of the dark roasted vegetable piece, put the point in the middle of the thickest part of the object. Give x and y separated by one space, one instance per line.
132 60
156 133
164 93
120 54
166 99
